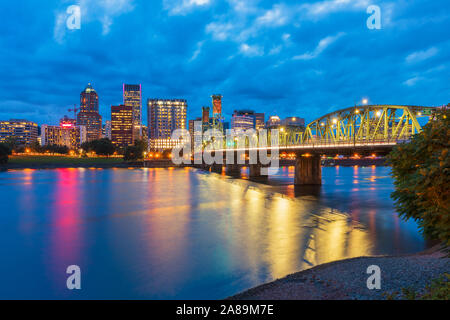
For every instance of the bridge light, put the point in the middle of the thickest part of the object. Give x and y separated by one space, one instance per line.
378 113
322 124
365 101
419 114
282 129
356 111
334 120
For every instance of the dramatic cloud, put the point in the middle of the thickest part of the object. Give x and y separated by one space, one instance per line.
323 44
290 58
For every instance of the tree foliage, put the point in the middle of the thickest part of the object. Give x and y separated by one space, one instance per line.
5 151
421 171
136 151
101 146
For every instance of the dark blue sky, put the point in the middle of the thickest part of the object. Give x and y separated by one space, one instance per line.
290 58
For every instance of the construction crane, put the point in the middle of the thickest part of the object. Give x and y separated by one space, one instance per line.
75 109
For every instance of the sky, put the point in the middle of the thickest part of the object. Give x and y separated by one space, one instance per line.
289 58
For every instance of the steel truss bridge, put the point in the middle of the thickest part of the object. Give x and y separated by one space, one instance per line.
371 129
358 127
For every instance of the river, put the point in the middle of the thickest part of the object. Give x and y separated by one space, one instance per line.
184 233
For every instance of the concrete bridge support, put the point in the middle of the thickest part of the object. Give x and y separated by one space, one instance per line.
308 170
233 170
217 168
255 172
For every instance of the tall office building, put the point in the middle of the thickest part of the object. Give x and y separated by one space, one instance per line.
243 119
260 121
165 116
132 96
122 126
88 115
194 134
217 104
24 131
65 134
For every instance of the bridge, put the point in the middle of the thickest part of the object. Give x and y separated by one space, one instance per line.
363 130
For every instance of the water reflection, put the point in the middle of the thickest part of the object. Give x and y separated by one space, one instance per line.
183 233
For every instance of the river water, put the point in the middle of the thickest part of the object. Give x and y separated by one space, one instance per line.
184 233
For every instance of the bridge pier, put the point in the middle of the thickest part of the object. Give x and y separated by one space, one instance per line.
233 170
308 170
217 168
255 172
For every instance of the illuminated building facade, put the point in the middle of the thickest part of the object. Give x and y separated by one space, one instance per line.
193 134
88 115
107 129
24 131
67 122
260 121
165 116
132 96
164 144
69 135
122 126
205 116
294 122
243 120
217 104
273 122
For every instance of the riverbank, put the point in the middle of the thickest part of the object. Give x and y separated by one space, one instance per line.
57 162
346 279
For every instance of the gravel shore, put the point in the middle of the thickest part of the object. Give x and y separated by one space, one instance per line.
346 279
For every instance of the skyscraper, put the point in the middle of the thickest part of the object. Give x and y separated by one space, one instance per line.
217 104
165 116
260 121
88 115
132 96
122 126
89 99
65 134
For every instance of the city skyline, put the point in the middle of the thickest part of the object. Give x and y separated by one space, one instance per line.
262 56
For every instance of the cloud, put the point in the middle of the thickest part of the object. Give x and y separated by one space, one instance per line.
277 16
242 49
322 8
421 55
323 44
412 81
182 7
103 11
219 31
251 50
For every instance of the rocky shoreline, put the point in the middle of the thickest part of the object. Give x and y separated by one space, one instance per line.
347 279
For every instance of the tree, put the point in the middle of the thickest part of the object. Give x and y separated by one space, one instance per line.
11 143
56 149
102 146
132 153
136 151
5 151
421 171
141 145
